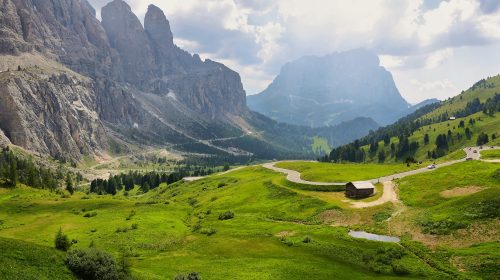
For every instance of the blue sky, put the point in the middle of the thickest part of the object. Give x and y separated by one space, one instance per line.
433 48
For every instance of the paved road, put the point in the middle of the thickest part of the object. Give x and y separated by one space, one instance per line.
389 193
294 176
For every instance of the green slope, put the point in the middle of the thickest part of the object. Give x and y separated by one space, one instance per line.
434 120
23 260
179 230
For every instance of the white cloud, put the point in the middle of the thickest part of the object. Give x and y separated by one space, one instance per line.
437 58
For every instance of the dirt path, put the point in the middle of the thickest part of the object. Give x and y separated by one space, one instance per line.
389 195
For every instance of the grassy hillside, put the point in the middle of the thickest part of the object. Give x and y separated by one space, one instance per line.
457 208
460 120
278 232
22 260
482 90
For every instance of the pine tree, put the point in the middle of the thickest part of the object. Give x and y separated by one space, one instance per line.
69 184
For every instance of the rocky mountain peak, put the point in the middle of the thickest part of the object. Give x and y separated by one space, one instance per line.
127 36
158 28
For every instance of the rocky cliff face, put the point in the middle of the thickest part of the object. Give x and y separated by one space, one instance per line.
134 80
50 113
328 90
152 62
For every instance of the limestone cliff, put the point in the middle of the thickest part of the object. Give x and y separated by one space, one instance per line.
50 113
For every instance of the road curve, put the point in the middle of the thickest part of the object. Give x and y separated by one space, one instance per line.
389 193
294 176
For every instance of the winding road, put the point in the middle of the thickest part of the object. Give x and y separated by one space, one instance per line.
389 192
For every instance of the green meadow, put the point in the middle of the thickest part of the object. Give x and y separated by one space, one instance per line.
278 231
490 154
332 172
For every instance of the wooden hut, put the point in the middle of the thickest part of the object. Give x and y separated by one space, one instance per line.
359 189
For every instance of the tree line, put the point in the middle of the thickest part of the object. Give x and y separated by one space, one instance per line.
405 127
15 169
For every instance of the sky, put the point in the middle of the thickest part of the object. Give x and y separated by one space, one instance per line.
433 48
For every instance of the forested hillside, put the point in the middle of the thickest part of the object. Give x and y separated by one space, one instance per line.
434 131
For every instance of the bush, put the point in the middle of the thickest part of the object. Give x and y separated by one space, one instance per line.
441 227
307 239
226 215
61 241
190 276
92 264
134 226
122 229
221 185
192 201
208 231
90 214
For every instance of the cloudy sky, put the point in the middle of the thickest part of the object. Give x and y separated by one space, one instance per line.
433 48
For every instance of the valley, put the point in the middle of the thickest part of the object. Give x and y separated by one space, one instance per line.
177 228
128 153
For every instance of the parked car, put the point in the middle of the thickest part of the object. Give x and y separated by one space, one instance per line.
475 151
432 166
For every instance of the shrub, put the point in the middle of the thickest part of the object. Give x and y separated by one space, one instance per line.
130 215
221 185
208 231
192 201
61 241
197 226
90 214
400 269
92 264
307 239
122 229
190 276
441 227
134 226
226 215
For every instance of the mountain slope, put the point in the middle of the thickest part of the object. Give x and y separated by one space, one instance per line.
72 85
327 90
458 122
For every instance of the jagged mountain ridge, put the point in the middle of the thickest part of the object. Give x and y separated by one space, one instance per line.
328 90
143 88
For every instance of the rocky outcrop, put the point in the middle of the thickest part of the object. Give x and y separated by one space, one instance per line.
328 90
4 141
52 114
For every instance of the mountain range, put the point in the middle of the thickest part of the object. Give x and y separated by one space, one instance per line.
72 86
322 91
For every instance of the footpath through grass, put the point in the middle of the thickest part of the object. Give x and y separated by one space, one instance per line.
333 172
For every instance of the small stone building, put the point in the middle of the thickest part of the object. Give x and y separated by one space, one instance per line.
359 189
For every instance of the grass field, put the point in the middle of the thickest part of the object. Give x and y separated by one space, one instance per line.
26 261
178 230
490 154
330 172
456 206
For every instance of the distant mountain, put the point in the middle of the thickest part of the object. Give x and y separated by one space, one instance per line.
72 86
328 90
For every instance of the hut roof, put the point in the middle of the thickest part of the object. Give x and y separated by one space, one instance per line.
363 185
